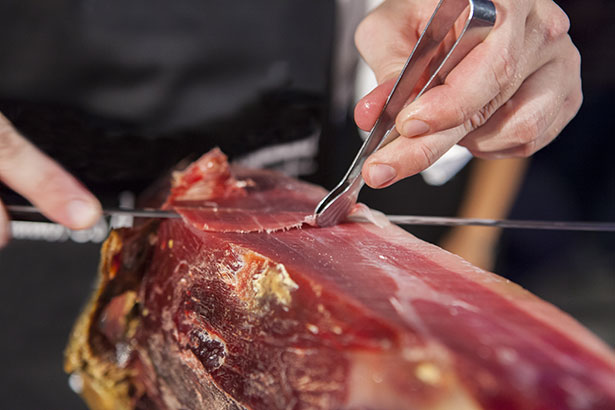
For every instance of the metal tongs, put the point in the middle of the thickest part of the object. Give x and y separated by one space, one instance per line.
435 54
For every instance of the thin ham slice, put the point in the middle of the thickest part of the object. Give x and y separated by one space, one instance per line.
212 198
244 305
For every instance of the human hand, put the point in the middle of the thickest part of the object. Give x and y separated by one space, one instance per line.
41 180
509 97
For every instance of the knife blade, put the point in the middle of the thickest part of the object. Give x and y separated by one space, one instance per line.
502 223
137 213
16 210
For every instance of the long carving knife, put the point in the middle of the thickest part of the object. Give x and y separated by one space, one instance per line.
17 210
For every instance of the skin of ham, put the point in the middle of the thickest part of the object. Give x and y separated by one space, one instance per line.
243 304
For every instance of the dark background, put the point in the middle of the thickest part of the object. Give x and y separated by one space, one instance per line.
46 284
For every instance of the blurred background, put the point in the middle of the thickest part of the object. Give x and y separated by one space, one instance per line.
119 92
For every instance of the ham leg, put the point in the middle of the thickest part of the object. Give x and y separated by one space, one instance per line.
243 304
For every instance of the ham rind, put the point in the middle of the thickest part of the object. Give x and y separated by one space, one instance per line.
202 313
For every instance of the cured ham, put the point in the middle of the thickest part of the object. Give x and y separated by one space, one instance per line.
243 304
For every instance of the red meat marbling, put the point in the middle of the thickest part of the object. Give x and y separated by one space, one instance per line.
244 304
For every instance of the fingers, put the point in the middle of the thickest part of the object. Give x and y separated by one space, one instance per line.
539 110
474 89
407 156
385 39
511 95
492 72
43 182
386 36
368 109
534 116
527 149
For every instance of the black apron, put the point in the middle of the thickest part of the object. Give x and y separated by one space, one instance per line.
118 92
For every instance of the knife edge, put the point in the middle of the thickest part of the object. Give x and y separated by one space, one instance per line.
137 213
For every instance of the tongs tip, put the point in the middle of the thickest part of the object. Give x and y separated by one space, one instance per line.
338 203
334 212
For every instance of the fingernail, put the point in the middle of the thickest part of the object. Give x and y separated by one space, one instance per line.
82 214
380 174
412 128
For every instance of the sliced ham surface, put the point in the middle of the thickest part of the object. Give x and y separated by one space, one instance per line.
244 305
